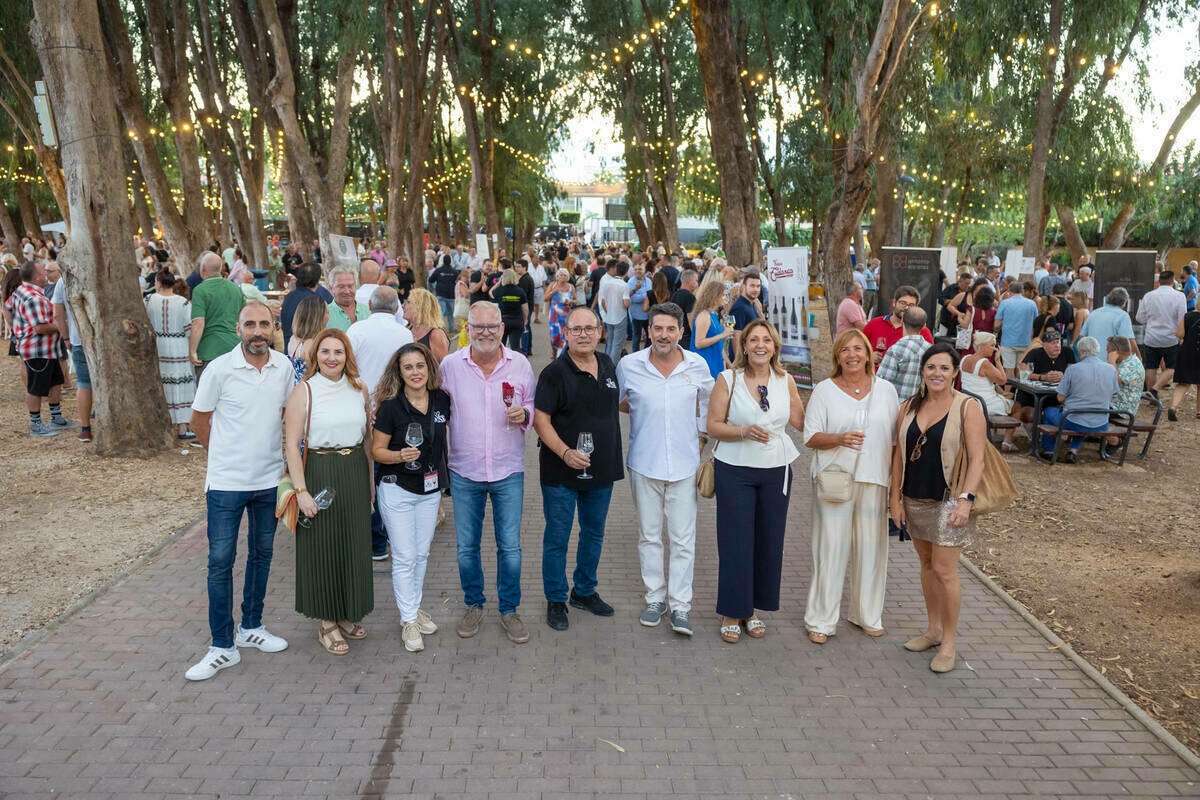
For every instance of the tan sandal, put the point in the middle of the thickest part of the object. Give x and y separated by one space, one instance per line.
338 646
755 627
818 638
730 634
351 630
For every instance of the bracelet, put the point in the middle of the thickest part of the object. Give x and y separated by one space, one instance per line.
563 455
742 432
302 491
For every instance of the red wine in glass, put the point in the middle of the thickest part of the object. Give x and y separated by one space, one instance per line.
508 394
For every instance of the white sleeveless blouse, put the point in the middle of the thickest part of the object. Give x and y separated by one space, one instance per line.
744 409
339 418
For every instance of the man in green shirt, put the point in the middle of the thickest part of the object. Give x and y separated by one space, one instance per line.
216 304
344 311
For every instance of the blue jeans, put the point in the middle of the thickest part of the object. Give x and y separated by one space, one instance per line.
639 332
379 537
469 498
1051 416
224 518
447 306
558 507
616 338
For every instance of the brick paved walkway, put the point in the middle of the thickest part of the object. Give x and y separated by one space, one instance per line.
608 709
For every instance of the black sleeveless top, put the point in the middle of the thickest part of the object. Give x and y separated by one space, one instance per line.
924 478
425 339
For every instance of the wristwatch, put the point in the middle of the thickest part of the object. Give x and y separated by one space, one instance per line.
970 498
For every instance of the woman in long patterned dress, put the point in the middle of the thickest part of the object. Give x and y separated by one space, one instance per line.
561 297
171 318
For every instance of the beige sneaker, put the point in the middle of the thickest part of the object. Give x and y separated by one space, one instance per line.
516 630
426 622
468 626
411 637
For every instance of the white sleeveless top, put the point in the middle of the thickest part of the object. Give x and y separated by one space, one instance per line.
745 410
976 384
339 418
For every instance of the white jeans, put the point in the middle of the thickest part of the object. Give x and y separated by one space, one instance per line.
853 532
410 520
652 499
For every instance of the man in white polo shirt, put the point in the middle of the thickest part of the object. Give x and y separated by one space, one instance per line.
375 340
665 391
237 415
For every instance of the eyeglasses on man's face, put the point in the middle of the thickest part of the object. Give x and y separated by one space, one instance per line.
489 328
579 330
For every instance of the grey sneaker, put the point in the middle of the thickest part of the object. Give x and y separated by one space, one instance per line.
39 429
680 624
516 630
653 614
62 424
468 626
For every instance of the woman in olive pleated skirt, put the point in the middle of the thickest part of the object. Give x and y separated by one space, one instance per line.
328 412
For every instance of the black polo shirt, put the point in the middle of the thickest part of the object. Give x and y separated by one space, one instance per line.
578 402
686 302
393 418
492 279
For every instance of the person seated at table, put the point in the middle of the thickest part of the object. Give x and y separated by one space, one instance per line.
981 376
1091 383
1047 364
1131 374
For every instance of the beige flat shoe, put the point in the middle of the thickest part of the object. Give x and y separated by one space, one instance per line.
817 638
941 663
868 631
920 644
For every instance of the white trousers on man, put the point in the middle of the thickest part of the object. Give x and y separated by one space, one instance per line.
410 520
853 533
676 501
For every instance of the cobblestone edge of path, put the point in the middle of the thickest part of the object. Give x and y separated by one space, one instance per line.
1064 647
31 640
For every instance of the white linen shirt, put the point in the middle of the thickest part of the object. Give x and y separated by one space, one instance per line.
613 292
666 414
830 410
1161 312
375 340
245 448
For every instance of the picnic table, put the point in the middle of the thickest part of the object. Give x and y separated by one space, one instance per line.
1040 391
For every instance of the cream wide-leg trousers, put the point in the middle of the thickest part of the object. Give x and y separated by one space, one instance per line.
854 533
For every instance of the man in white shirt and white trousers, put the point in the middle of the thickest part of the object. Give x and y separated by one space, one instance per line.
665 390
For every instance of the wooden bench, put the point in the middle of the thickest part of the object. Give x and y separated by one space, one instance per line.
1000 422
1147 428
1120 425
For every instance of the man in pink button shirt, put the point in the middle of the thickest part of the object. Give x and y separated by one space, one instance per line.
487 457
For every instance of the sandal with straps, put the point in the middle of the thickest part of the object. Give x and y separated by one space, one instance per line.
351 630
730 634
755 627
338 646
818 638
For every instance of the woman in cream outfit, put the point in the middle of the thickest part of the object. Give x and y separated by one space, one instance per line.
850 421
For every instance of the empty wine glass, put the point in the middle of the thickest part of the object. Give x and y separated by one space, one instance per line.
323 499
414 436
586 446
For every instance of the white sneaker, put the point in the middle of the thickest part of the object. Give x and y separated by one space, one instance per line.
411 637
426 622
215 660
261 638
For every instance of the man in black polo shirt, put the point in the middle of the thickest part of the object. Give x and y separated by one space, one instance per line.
526 282
577 394
685 298
1046 363
482 280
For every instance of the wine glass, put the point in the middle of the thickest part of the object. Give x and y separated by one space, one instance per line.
586 446
414 436
508 394
730 321
323 499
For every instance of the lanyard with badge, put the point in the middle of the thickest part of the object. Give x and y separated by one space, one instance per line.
431 475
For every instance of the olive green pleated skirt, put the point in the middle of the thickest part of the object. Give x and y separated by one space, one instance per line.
333 555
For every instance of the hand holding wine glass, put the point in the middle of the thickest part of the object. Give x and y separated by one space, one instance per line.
414 436
310 506
587 446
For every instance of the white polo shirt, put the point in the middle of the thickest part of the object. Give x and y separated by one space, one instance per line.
245 448
666 414
375 340
613 292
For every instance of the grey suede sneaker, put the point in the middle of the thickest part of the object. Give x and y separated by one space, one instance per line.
680 624
653 614
516 630
468 626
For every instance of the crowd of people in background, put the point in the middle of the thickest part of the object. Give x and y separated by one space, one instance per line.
393 395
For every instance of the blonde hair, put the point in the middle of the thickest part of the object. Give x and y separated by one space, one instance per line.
983 339
1079 299
310 318
509 277
424 309
842 340
743 359
710 296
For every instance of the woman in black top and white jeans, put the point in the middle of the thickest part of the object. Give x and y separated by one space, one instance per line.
409 394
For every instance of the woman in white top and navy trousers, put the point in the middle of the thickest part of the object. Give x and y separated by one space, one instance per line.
751 407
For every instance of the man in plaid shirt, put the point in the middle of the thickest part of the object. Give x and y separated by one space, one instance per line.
40 347
901 364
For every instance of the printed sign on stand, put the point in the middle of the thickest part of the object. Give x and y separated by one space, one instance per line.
919 267
787 310
481 245
344 252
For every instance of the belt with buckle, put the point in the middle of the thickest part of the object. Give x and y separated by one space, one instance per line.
345 451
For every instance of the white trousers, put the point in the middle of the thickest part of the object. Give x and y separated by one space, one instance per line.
410 520
853 532
676 501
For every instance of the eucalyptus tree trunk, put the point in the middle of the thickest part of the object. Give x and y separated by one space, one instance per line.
101 284
27 209
885 222
1070 229
8 227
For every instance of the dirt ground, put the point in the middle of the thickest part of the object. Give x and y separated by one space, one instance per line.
70 521
1107 558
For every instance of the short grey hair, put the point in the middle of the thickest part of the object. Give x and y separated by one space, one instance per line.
687 275
331 276
1118 297
384 299
913 319
1088 347
481 306
206 257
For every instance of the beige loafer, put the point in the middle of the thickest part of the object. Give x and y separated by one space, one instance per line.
941 663
920 644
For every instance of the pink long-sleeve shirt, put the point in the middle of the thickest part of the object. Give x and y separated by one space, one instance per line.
482 448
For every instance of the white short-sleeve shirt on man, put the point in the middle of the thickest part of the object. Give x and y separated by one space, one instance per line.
245 448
